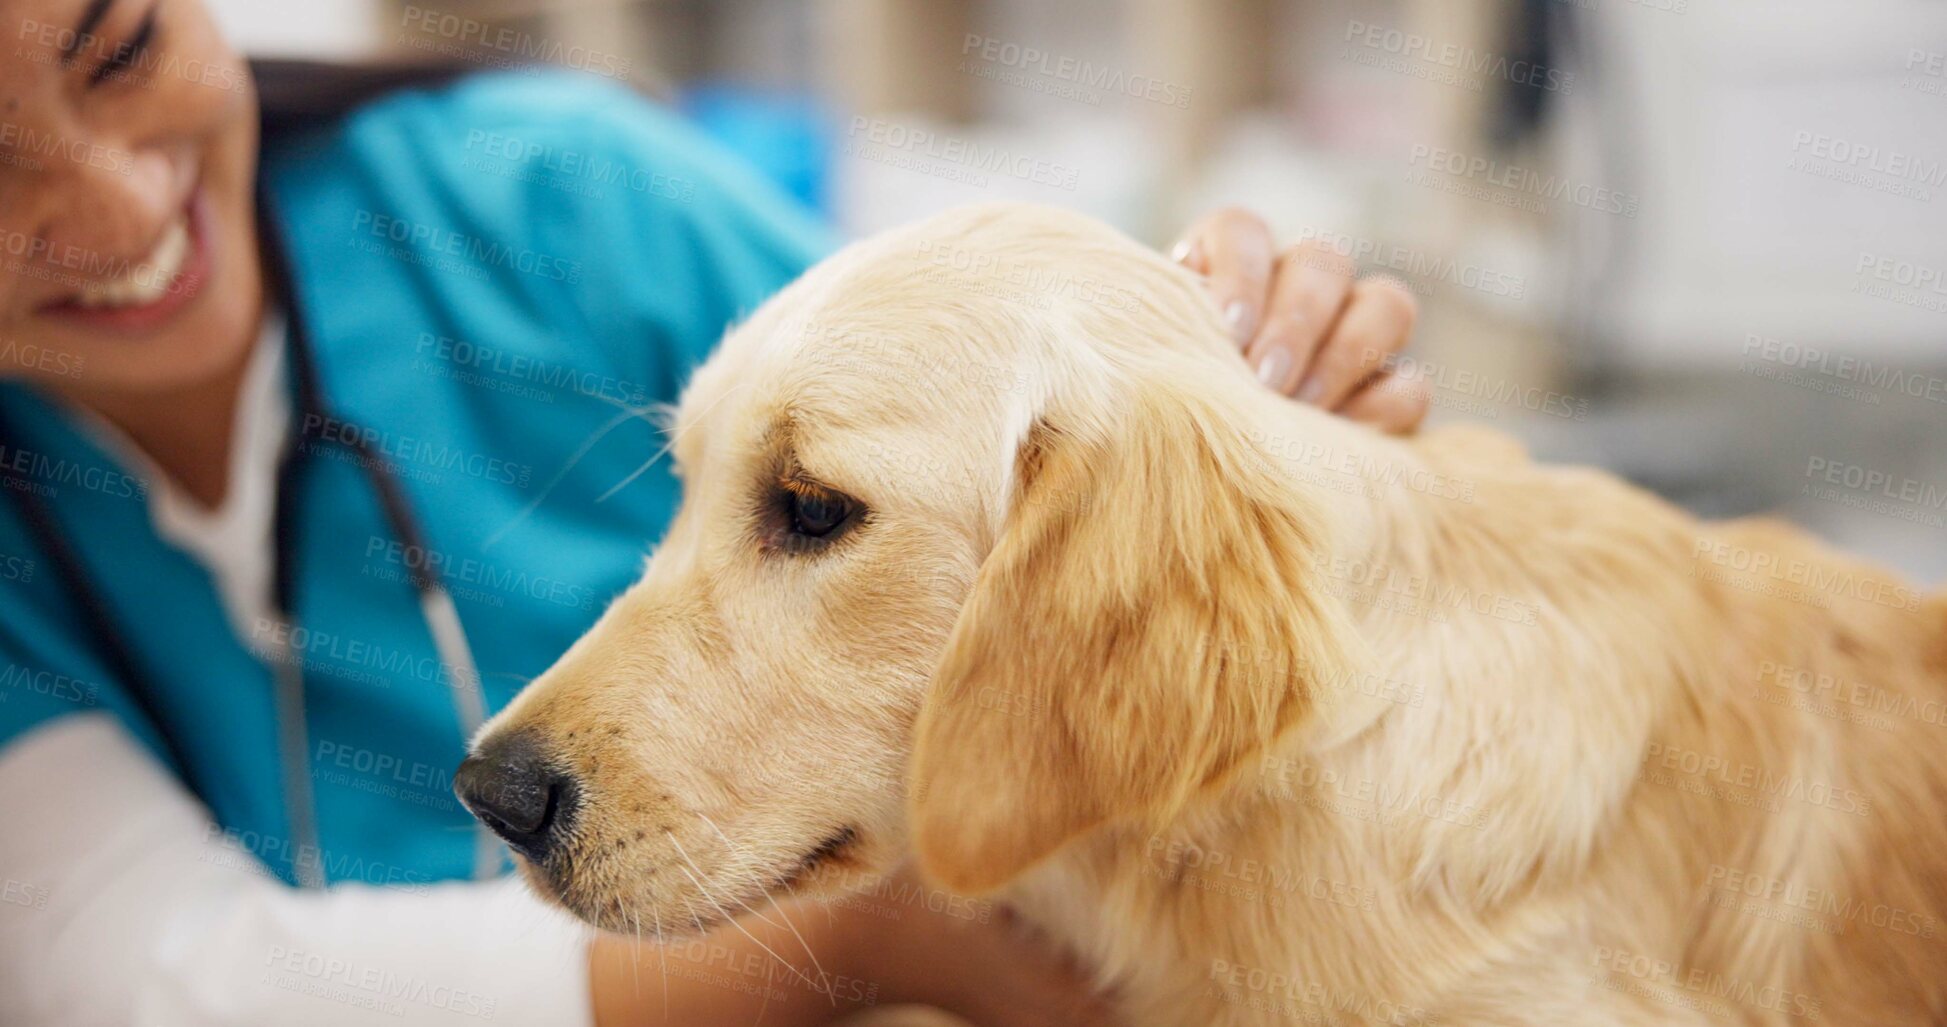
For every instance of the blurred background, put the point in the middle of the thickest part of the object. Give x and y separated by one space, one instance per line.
1700 242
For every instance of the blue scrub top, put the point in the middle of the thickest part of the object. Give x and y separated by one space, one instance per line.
490 273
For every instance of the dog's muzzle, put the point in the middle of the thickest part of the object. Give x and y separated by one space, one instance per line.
512 787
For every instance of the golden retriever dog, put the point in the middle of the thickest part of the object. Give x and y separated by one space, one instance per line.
993 553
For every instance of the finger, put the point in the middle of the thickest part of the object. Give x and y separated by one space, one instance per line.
1188 252
1377 322
1234 246
1309 287
1390 403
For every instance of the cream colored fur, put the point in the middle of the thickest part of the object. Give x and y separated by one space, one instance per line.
1271 717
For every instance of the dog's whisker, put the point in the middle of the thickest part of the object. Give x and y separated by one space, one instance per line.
671 444
745 931
548 489
705 891
662 957
742 854
635 952
637 473
830 988
652 411
830 984
766 1004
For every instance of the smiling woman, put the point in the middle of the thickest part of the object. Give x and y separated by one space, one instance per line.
311 428
142 267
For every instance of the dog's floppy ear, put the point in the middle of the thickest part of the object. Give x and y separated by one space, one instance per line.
1147 622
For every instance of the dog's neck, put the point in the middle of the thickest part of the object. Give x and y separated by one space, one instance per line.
1414 550
1384 499
1437 575
1397 508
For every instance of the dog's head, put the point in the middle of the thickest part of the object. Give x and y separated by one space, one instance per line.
975 554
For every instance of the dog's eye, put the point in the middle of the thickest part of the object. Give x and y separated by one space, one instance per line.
817 514
809 516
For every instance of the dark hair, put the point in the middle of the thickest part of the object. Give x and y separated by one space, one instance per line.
295 94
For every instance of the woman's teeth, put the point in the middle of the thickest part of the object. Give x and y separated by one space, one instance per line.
147 280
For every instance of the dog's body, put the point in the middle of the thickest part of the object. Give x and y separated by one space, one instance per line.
1614 782
1270 717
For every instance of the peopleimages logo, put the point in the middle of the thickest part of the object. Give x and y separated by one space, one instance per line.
26 142
353 659
564 164
1818 578
445 242
1296 999
24 895
512 43
972 156
368 986
1902 281
43 255
1820 901
1893 163
391 773
524 368
1893 172
1028 277
1705 983
27 470
16 677
1860 478
459 572
1452 56
16 568
1896 271
1927 72
1522 181
1861 695
1471 384
28 356
1710 768
1418 265
1845 368
1034 61
364 442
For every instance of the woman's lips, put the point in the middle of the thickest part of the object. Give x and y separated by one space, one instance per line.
188 282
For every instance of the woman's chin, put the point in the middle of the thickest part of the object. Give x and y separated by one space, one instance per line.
206 340
193 352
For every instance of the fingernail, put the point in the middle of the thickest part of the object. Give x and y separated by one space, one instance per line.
1273 366
1235 315
1181 251
1311 391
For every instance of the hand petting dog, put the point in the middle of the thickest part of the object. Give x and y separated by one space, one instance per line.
1307 323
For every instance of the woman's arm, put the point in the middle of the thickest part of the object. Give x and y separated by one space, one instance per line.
122 905
904 943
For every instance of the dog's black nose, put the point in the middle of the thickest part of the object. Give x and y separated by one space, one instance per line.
513 788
